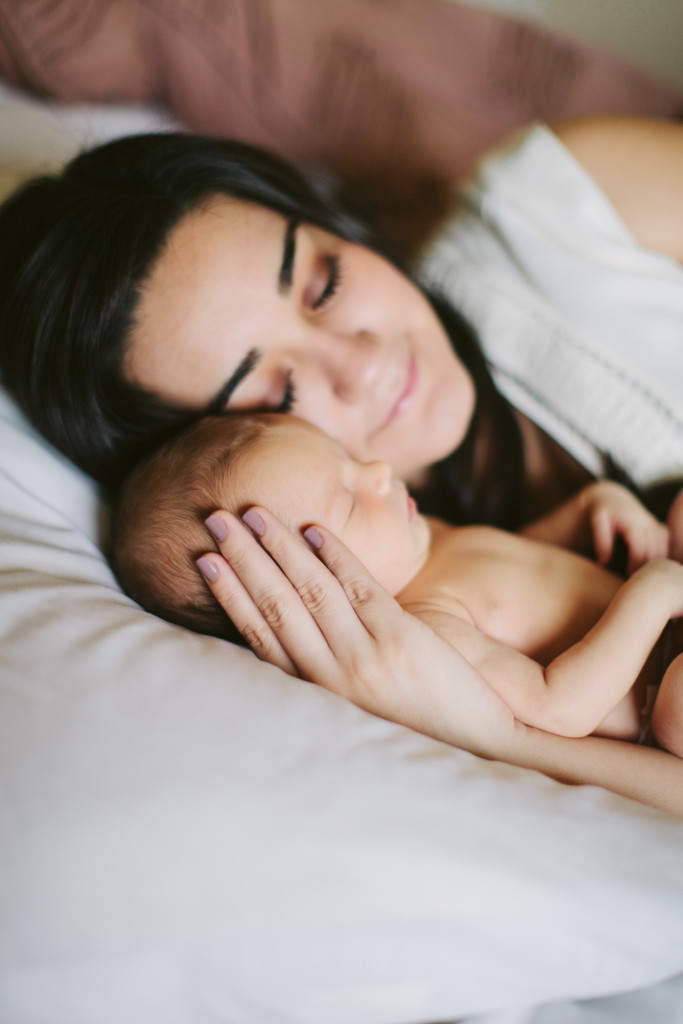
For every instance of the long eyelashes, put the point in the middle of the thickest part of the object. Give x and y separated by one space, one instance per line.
334 276
289 398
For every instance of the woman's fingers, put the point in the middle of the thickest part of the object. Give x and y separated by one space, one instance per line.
336 599
227 588
377 610
342 630
268 595
386 660
327 613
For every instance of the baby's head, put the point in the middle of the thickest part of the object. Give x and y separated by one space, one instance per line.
233 462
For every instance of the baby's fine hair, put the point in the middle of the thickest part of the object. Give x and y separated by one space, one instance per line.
158 526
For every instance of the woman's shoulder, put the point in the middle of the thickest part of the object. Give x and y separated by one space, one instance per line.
525 200
638 165
533 181
614 178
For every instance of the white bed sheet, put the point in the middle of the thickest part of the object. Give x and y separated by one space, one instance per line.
187 835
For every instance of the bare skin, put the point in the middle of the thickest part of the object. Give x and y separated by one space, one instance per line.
637 164
347 342
536 620
305 605
657 151
540 637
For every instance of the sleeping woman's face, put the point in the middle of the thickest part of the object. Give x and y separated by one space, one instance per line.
244 310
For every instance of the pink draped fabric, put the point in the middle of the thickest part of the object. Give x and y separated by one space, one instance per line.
338 79
402 90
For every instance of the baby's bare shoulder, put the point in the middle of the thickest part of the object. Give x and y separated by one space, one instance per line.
450 583
473 547
474 572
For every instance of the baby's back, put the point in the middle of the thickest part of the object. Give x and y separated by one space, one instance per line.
532 596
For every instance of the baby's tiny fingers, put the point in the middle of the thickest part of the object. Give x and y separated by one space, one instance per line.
652 541
660 548
637 552
603 535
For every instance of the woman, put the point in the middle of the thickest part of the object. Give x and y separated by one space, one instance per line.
163 277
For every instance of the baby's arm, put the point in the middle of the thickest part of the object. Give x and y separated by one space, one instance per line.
592 518
580 687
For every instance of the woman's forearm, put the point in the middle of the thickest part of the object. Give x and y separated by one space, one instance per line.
652 777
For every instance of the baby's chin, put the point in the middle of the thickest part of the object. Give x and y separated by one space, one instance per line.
423 526
401 577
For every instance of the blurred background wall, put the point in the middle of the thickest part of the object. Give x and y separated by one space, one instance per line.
650 32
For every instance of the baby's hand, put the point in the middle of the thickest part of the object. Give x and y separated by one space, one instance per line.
614 511
675 523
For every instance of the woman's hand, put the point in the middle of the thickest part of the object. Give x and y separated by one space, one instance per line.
313 609
327 620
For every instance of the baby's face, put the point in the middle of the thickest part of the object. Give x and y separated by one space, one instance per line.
304 477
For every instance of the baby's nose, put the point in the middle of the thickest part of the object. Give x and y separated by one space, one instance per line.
381 476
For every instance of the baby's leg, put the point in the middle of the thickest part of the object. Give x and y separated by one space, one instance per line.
667 714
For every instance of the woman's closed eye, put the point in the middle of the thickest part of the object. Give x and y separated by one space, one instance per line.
288 400
324 282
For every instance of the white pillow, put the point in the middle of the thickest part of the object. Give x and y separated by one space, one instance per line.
187 834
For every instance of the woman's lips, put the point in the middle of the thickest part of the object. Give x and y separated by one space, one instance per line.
412 508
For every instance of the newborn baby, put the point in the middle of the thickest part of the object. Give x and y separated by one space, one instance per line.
569 646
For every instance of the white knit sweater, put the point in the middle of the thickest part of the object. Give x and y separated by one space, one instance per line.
583 328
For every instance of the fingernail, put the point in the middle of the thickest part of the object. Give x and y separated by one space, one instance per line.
207 568
216 527
254 522
313 537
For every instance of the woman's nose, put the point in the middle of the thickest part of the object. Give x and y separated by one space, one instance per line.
352 364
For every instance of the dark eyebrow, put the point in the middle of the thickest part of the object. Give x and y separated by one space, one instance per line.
284 283
218 403
284 280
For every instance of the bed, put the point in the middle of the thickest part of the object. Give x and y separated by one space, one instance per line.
188 835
